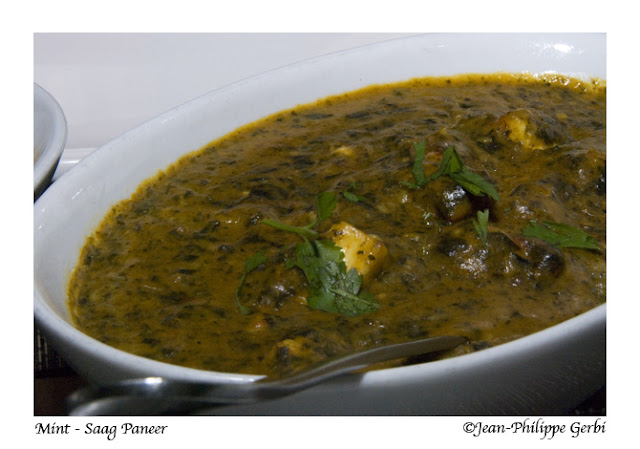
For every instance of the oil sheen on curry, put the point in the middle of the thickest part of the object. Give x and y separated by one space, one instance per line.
472 205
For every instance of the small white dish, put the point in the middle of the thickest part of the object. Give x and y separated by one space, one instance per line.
49 138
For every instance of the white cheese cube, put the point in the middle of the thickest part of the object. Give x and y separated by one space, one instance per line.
364 252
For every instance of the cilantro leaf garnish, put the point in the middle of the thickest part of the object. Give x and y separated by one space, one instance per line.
417 170
325 204
452 166
353 197
304 231
560 235
331 287
251 264
481 226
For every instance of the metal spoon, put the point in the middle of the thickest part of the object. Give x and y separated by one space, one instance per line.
158 396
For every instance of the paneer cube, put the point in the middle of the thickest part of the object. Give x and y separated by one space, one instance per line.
519 128
364 252
345 150
530 130
297 347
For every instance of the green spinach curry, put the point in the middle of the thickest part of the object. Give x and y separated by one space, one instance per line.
471 205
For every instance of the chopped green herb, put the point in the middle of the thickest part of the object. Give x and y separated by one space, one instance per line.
560 235
418 171
304 231
354 198
475 184
481 226
251 264
325 204
452 166
331 287
450 163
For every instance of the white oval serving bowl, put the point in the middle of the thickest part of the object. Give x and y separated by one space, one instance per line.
49 138
543 374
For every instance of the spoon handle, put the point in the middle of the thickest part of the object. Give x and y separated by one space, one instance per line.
362 359
155 396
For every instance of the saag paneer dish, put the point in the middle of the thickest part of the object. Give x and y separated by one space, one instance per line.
471 205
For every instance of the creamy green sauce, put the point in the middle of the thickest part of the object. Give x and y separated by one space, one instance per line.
159 276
